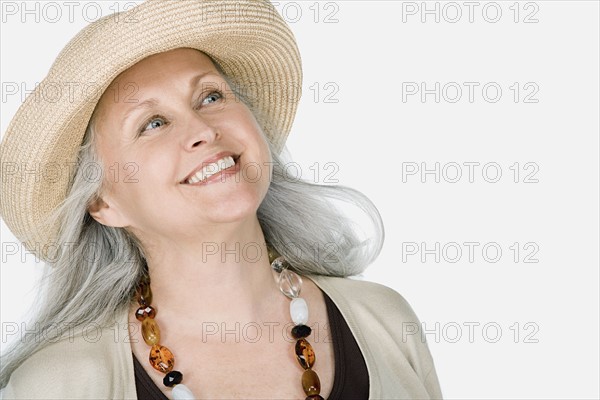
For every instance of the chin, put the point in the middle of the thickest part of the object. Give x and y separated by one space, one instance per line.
234 214
233 207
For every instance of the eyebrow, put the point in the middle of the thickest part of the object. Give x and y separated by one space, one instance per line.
152 102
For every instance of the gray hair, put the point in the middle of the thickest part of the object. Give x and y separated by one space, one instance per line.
298 219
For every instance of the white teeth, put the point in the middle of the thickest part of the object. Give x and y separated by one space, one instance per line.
211 169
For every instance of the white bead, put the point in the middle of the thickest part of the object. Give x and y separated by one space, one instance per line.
299 311
181 392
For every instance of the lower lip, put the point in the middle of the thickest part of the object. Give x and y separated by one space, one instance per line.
221 175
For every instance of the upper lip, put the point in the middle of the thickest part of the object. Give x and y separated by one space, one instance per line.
208 161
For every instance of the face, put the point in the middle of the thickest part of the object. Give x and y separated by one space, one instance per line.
159 123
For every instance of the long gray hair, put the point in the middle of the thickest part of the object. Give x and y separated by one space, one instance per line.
97 277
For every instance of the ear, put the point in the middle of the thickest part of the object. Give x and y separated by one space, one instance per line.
106 214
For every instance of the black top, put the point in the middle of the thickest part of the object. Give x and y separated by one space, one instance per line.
351 381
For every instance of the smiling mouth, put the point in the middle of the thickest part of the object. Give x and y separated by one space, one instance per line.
225 164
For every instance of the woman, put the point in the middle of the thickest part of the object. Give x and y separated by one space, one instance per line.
192 266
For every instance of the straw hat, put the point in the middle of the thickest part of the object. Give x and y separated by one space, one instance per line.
247 38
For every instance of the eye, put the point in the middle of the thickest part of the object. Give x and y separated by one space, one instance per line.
156 121
212 97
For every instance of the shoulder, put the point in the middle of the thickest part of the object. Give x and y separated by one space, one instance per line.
377 310
83 364
380 299
349 284
385 326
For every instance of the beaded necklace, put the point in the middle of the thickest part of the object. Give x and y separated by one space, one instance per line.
290 285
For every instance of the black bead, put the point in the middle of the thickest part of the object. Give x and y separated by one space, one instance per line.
301 331
173 378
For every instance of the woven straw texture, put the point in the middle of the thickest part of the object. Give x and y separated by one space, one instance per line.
249 39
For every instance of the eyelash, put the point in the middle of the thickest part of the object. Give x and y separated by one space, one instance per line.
143 129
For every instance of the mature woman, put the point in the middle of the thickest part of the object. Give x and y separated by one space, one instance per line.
192 266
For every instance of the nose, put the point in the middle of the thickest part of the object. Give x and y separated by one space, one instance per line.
198 130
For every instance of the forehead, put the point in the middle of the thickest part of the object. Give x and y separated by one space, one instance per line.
170 66
148 77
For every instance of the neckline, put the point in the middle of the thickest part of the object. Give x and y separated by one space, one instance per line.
334 319
339 372
324 283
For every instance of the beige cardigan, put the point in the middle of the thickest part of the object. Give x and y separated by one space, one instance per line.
99 365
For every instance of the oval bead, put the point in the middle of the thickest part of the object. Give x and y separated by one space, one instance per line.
301 331
290 283
315 397
299 311
161 358
144 312
310 382
150 331
305 354
181 392
172 378
144 294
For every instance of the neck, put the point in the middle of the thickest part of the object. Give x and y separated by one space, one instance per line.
225 280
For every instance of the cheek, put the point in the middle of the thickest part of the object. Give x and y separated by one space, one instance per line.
256 136
155 169
131 177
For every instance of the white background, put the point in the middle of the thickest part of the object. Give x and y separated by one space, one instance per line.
369 56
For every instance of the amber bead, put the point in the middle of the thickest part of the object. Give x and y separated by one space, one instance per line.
315 397
144 312
301 331
172 378
273 254
161 358
150 331
310 382
144 294
305 353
